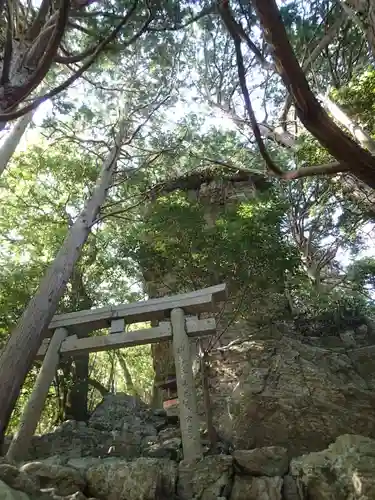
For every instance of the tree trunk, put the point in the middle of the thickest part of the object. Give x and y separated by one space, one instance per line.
211 431
128 378
98 386
359 161
77 396
76 404
22 346
13 139
364 139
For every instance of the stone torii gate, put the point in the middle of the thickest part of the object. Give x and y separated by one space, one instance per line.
178 321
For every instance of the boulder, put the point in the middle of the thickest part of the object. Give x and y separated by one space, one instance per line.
169 448
267 461
344 471
7 493
17 479
116 410
284 392
65 480
256 488
71 441
141 479
205 479
84 463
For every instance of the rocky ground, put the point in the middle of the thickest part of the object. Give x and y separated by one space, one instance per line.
130 452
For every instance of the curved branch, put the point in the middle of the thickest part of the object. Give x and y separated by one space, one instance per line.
69 59
325 169
38 23
232 29
16 114
47 58
98 386
346 151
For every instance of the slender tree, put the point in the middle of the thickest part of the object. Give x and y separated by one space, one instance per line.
22 346
13 138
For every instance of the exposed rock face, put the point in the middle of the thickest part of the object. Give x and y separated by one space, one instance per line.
257 488
18 480
121 425
206 479
65 480
141 479
268 461
344 471
284 391
7 493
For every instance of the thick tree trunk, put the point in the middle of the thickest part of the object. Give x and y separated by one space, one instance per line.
13 139
364 139
315 53
22 346
316 120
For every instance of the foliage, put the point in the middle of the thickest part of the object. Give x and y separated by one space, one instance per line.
200 245
358 98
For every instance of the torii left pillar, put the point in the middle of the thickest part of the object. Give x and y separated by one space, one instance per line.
34 407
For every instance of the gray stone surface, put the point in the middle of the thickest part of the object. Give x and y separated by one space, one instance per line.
290 489
285 392
204 479
8 493
344 471
121 426
267 461
256 488
141 479
17 479
64 480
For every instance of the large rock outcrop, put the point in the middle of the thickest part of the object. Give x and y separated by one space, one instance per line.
283 389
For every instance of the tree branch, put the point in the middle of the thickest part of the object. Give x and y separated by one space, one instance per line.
81 70
325 169
8 46
204 12
38 23
346 151
232 28
69 59
47 58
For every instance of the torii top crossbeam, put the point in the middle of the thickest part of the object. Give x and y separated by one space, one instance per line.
204 300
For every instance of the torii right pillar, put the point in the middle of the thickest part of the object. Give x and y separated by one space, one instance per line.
189 422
